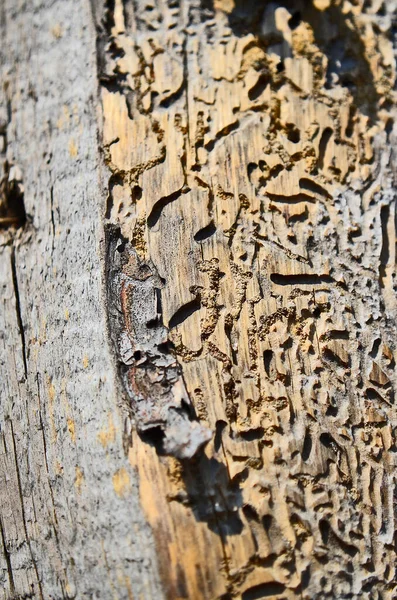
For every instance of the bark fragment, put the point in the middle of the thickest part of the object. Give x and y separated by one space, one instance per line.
151 375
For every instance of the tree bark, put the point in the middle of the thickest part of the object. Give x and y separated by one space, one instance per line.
198 323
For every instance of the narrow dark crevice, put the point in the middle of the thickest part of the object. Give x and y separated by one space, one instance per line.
159 206
385 251
52 213
52 219
292 199
18 311
205 233
298 280
307 447
228 332
174 97
209 146
335 334
324 141
23 512
115 179
264 590
7 557
313 187
259 87
184 312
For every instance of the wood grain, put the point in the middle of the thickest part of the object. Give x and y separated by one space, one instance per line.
71 525
244 153
249 156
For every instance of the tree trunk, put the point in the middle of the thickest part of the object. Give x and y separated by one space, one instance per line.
198 322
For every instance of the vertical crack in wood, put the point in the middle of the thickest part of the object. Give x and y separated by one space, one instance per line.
18 312
22 504
7 558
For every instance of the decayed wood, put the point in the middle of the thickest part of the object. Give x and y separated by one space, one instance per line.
249 155
197 234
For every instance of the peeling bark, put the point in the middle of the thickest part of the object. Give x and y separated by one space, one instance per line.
160 406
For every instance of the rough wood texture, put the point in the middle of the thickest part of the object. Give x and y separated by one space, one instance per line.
70 521
197 234
250 164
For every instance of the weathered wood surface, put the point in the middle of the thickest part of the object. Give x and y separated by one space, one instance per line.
71 522
224 205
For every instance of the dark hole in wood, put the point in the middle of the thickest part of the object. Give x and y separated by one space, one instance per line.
184 312
12 207
205 232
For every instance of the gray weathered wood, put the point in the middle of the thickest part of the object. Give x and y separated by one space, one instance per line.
71 523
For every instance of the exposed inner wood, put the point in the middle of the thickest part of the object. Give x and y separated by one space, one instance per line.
249 148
